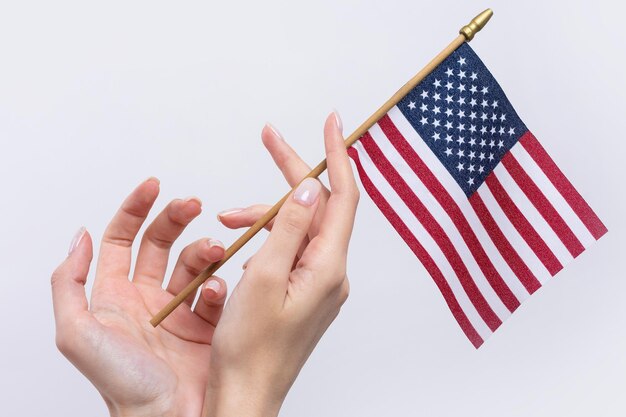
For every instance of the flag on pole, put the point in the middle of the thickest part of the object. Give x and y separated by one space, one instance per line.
473 193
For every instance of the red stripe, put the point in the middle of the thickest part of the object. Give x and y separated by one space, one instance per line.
567 190
510 255
542 205
523 226
419 251
451 207
433 228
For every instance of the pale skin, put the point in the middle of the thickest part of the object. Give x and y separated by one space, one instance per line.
210 360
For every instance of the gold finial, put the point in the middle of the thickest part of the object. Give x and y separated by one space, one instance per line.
476 24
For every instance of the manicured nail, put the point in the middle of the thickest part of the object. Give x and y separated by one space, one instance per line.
228 213
153 179
213 285
338 121
194 198
214 242
76 240
307 192
276 132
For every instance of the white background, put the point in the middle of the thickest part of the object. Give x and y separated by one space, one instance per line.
96 96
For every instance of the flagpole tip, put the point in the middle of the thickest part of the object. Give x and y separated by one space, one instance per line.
476 25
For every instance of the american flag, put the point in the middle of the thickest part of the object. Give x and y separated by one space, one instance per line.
473 193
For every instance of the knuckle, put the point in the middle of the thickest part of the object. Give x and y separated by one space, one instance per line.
118 235
263 273
352 194
356 194
56 278
304 272
63 343
158 241
344 291
191 269
293 222
336 282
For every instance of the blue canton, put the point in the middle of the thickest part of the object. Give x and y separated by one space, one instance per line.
463 115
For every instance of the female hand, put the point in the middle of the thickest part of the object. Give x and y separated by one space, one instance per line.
278 311
138 369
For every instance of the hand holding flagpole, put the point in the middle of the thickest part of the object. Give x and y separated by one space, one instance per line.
467 33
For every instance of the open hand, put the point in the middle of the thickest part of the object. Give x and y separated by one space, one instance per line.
138 369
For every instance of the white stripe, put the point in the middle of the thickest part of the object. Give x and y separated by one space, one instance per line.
441 218
459 197
512 235
425 240
533 215
553 195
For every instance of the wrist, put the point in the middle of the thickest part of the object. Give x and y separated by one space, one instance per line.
240 398
145 410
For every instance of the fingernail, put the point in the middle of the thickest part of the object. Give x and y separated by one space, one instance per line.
228 213
245 264
213 285
215 242
307 191
154 179
194 198
76 240
276 132
338 121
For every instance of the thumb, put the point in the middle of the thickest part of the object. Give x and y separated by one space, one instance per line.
68 284
275 258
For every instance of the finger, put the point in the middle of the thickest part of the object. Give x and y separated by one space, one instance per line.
192 260
159 237
211 302
68 285
338 218
245 264
294 169
274 260
244 217
115 250
303 246
286 159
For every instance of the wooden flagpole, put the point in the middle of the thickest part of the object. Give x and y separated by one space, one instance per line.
466 33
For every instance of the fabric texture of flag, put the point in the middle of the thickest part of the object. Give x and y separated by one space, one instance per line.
473 193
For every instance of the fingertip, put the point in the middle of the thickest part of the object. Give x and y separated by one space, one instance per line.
214 243
214 250
87 243
80 243
213 287
225 215
338 121
193 200
76 265
333 126
140 201
333 135
78 237
214 291
194 205
184 210
271 132
152 185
